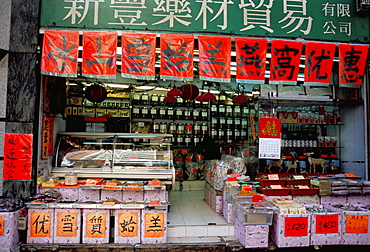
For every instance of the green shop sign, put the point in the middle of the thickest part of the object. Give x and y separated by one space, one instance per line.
327 20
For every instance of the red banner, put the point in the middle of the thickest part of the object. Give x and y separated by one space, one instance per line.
250 60
138 56
99 54
214 58
270 128
352 61
60 53
319 63
177 52
47 137
285 59
17 156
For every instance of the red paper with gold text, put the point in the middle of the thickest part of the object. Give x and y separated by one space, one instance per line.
60 53
270 128
138 56
99 54
214 58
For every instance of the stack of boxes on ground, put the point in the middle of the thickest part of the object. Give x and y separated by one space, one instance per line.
291 210
139 210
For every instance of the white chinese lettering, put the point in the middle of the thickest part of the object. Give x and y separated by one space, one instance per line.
329 27
329 9
253 15
343 10
293 8
222 10
84 5
172 9
128 12
345 27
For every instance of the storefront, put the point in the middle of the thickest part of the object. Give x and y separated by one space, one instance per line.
277 84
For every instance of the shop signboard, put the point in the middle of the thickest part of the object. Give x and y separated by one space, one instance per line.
308 19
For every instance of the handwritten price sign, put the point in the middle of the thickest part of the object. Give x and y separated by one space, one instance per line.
357 224
296 226
327 224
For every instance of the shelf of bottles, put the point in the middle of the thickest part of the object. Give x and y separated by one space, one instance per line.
187 121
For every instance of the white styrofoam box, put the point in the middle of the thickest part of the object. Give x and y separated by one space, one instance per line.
326 227
67 225
359 200
127 226
40 225
150 194
228 212
42 190
70 193
95 227
154 226
89 194
106 194
271 198
214 199
251 236
292 232
355 227
133 195
333 199
314 199
10 235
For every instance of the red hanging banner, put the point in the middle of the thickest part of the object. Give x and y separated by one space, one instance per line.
250 60
138 56
319 63
352 62
214 58
177 52
17 156
47 137
285 59
99 54
60 53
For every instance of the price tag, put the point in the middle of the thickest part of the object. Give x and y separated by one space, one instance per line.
276 187
357 224
246 188
273 176
257 198
154 183
111 184
326 223
109 203
111 187
298 177
128 188
303 187
154 203
296 226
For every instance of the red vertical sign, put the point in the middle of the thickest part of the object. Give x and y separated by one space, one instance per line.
214 58
177 57
60 53
99 54
47 137
319 63
285 59
138 56
352 62
17 156
250 60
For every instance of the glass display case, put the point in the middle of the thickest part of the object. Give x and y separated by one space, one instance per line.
128 156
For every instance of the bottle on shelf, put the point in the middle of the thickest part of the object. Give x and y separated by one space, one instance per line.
136 99
170 114
154 99
145 99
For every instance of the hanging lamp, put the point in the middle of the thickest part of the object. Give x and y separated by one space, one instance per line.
174 92
209 96
240 99
169 98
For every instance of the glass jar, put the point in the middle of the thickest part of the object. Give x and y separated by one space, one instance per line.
145 99
222 123
145 112
170 113
197 129
180 128
154 100
161 99
136 99
179 114
172 128
196 114
214 110
221 110
204 129
214 122
136 112
162 113
180 140
153 113
163 128
204 115
156 127
237 111
229 111
187 114
188 129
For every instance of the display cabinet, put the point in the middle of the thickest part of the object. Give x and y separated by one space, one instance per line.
126 156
